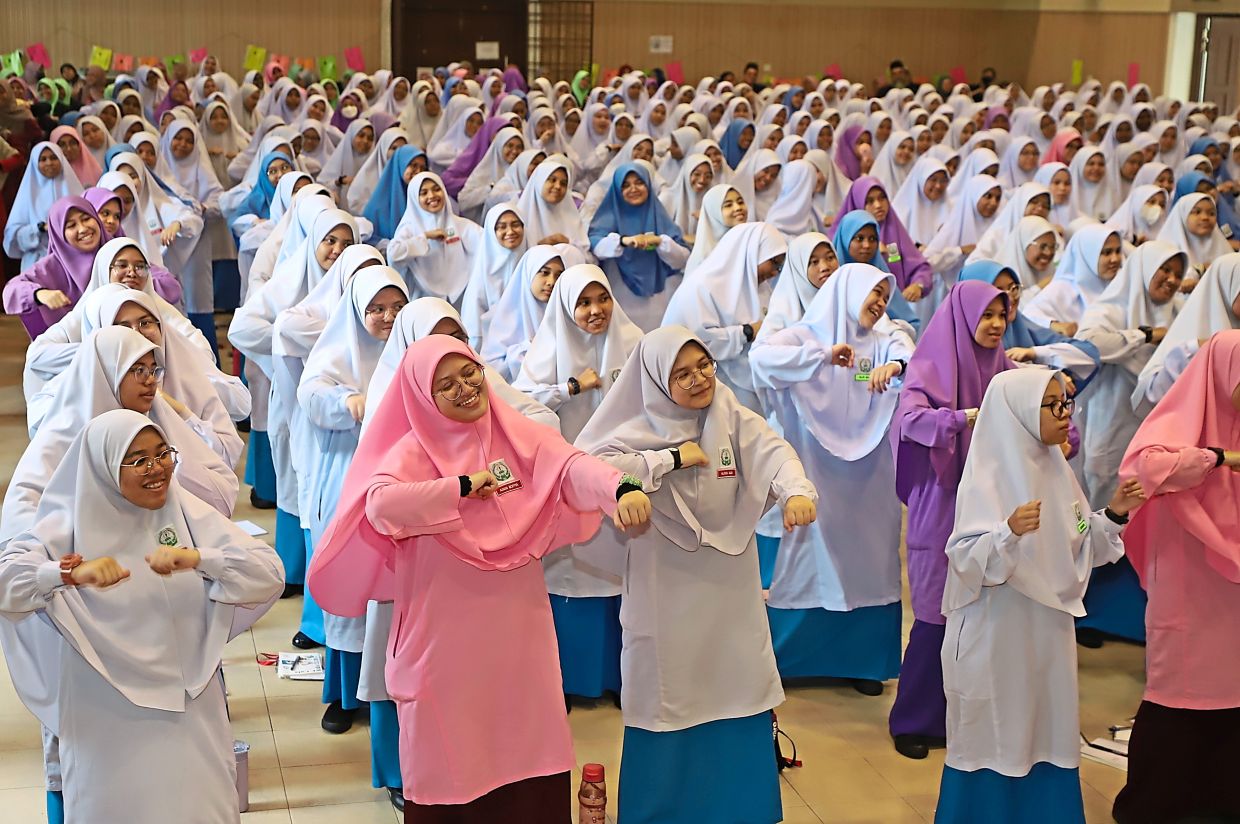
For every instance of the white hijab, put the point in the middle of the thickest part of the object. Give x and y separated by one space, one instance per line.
887 169
683 204
921 216
1012 253
367 177
1091 200
1127 219
36 194
1201 251
964 225
792 211
414 120
543 219
449 137
1126 303
492 272
793 292
344 161
195 173
710 228
444 269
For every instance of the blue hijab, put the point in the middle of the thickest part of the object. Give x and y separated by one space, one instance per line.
70 118
1024 333
258 201
787 101
447 90
113 151
845 228
1188 184
645 273
387 205
730 144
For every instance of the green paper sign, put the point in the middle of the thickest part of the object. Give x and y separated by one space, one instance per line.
173 60
12 62
327 68
254 57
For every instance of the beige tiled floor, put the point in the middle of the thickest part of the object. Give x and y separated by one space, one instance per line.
301 775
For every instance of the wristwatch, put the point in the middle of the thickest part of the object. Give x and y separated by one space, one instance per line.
68 563
748 330
675 450
574 386
1149 333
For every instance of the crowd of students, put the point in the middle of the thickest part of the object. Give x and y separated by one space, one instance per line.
562 391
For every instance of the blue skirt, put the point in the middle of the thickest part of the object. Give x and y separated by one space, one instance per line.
768 552
341 676
260 470
1048 793
291 546
384 745
587 631
861 643
55 807
723 772
1115 602
311 613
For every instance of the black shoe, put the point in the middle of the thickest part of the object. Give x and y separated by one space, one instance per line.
398 798
866 686
911 746
1089 638
260 503
292 590
337 719
303 641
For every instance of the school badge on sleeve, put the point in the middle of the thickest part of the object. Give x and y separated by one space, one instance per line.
504 477
727 464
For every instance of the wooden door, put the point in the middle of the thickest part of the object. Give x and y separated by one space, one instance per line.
437 32
1216 77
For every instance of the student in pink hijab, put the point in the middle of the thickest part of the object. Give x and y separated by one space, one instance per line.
78 155
1185 546
451 498
1064 146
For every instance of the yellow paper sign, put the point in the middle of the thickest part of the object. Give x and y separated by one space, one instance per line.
1078 72
101 57
254 58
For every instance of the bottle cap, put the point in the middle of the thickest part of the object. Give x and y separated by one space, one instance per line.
592 773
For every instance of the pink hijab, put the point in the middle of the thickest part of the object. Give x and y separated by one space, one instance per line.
1196 412
413 442
1055 154
86 167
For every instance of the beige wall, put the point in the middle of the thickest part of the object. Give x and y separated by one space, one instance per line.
307 28
1029 46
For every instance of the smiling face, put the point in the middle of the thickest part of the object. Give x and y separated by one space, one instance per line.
146 151
1041 252
555 187
1095 168
82 230
473 123
381 312
1111 257
110 216
430 196
763 178
364 140
690 363
1202 219
905 152
509 230
644 150
633 190
543 282
1166 281
145 491
874 305
457 372
138 393
129 268
513 147
182 144
49 164
593 309
935 186
330 247
988 333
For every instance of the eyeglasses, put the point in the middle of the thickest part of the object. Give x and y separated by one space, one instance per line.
168 459
126 266
1013 289
144 325
145 373
1044 248
472 378
689 379
384 311
1061 410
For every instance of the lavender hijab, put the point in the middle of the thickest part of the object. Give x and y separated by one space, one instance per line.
454 176
65 267
845 157
948 371
907 264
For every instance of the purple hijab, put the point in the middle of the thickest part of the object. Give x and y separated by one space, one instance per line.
65 268
454 176
97 196
948 371
339 119
164 282
845 158
909 265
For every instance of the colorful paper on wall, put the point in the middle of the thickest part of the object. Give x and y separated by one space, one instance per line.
327 68
11 62
1078 72
306 63
122 62
198 55
353 59
958 74
833 71
1134 74
38 53
172 59
281 60
675 71
148 60
101 57
255 56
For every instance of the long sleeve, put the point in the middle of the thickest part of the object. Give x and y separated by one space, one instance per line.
919 271
983 560
590 485
324 403
550 395
474 193
19 295
724 342
21 239
50 353
932 428
1172 367
406 246
608 247
945 259
405 510
242 574
234 394
778 365
522 402
1162 470
672 253
1114 345
649 466
28 576
790 481
1104 545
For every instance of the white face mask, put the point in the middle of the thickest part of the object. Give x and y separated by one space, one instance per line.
1151 213
349 111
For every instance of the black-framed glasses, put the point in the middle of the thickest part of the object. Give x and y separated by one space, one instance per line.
168 459
1060 409
689 379
472 378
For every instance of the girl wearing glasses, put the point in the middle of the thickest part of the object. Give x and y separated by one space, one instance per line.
146 584
699 675
1029 251
451 496
332 394
1185 545
832 382
1019 558
573 364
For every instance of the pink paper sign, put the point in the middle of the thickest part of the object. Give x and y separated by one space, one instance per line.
353 59
833 71
38 53
958 74
1134 74
198 55
122 62
675 71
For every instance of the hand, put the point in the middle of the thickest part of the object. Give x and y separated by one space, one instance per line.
1069 385
1027 518
51 298
799 511
484 485
1159 333
649 241
756 326
436 234
1189 284
842 355
913 292
632 511
169 233
1129 496
1065 328
1021 354
692 455
101 572
166 560
215 152
589 380
1231 459
880 378
345 180
356 405
970 416
967 249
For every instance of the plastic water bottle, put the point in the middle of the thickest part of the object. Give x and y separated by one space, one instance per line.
592 795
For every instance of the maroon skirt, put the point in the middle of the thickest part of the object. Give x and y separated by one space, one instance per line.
542 800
